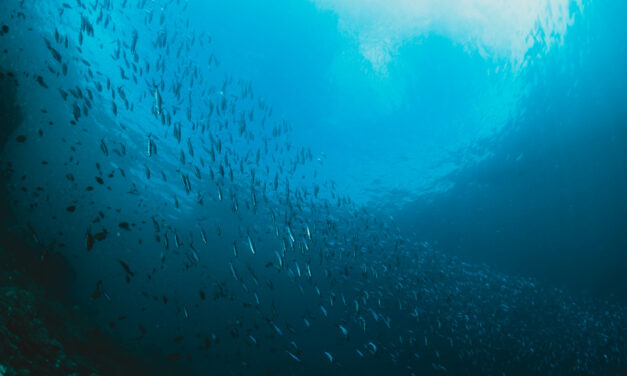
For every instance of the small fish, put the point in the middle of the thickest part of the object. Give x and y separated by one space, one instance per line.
276 328
103 147
155 224
372 347
152 147
203 236
40 81
55 54
186 183
127 269
194 253
233 271
289 232
100 236
89 241
251 245
293 356
157 107
344 331
143 332
329 356
34 234
278 256
166 242
98 292
190 148
176 240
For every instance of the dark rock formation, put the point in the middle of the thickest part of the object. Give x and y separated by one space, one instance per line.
10 113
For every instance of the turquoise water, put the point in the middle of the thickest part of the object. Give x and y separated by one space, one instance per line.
328 186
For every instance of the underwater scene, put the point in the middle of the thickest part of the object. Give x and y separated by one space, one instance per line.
313 187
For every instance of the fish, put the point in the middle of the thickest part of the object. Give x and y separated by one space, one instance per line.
251 245
55 54
190 148
233 272
34 234
368 271
142 331
276 328
372 347
186 183
103 147
293 356
279 258
166 243
89 241
176 240
194 254
158 102
126 268
155 224
151 147
344 331
203 237
40 81
289 232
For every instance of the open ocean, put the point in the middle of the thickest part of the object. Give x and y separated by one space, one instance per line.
313 187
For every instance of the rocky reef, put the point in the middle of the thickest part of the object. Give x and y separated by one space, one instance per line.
41 331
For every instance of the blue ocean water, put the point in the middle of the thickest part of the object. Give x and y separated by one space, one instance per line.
312 187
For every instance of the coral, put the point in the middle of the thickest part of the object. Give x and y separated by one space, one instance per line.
28 348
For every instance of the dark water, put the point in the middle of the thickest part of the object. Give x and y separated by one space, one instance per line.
317 187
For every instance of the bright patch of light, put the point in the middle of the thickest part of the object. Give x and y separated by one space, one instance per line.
500 29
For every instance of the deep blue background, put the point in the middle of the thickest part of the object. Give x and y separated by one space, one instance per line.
520 169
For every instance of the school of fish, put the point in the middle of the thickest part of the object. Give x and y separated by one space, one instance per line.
198 227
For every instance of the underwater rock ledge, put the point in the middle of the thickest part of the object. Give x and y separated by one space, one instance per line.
41 332
42 335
